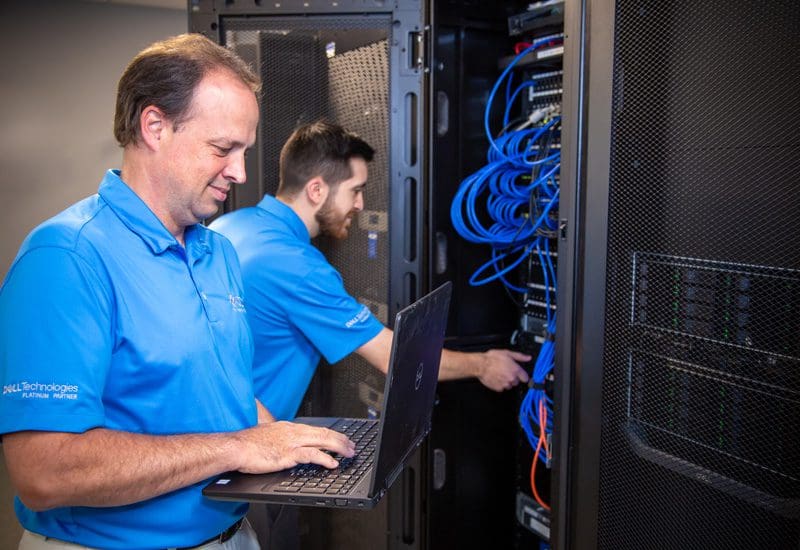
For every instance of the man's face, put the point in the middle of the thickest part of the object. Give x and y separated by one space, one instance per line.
344 201
205 154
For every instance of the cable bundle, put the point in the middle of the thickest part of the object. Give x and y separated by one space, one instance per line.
517 189
520 181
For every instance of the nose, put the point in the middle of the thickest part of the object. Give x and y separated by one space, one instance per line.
235 171
359 204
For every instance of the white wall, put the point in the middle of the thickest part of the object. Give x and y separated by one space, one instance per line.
59 67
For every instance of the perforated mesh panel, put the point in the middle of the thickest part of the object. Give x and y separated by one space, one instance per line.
337 68
701 393
359 92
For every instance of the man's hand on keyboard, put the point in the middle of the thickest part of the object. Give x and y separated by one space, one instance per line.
280 445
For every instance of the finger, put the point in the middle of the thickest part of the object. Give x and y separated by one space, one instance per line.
501 386
518 356
336 442
522 375
325 438
345 448
310 455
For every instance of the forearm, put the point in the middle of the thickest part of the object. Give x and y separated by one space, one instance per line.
113 468
110 468
497 369
456 365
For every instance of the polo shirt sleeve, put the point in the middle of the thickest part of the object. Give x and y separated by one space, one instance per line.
55 343
329 317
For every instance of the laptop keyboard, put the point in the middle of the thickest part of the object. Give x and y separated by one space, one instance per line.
315 479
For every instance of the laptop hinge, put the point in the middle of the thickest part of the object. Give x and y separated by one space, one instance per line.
393 475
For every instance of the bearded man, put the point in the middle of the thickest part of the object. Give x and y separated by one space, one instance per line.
298 307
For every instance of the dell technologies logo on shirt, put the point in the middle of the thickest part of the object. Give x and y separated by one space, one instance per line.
35 390
360 317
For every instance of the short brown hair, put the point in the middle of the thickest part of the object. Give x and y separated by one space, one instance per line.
165 74
319 149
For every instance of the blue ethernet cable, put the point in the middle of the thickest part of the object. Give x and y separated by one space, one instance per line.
506 204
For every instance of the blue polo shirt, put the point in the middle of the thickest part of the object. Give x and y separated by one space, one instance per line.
107 321
297 305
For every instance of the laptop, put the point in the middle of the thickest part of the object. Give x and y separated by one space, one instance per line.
383 446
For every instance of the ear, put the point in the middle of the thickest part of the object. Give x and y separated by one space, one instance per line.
316 191
153 125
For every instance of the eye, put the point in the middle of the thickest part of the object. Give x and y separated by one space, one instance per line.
222 151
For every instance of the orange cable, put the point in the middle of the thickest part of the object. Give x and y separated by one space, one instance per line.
542 440
543 426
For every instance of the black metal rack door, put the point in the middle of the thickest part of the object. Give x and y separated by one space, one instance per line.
686 240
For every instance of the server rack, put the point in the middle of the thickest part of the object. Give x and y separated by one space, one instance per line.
471 485
519 48
677 428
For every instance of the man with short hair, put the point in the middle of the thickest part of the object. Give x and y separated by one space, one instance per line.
297 304
125 353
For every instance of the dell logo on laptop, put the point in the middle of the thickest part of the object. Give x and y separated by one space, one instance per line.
418 377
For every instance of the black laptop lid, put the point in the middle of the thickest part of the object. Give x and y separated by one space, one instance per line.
411 382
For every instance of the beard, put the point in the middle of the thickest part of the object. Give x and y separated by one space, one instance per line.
331 223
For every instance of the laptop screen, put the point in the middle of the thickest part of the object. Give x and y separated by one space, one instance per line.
414 370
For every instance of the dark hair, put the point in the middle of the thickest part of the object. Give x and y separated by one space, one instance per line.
165 74
319 149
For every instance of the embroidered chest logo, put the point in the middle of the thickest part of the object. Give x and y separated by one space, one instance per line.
237 303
